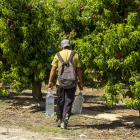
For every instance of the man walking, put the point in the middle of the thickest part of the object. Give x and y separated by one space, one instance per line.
65 96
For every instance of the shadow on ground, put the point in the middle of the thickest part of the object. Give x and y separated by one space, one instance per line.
110 126
25 100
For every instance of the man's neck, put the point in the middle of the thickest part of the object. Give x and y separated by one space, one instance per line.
66 48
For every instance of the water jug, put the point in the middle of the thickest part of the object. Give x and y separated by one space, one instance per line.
77 105
49 103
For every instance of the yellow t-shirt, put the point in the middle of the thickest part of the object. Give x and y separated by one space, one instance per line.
65 54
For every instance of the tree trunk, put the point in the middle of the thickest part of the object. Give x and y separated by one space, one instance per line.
139 111
128 75
36 91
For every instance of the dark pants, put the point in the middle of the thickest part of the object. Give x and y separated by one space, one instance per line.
64 103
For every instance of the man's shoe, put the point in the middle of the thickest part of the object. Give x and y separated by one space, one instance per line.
59 123
63 125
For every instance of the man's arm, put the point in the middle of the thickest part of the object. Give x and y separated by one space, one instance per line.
52 73
79 74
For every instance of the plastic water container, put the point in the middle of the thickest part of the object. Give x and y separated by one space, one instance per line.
49 103
78 104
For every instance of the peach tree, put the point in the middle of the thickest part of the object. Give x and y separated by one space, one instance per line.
27 43
106 34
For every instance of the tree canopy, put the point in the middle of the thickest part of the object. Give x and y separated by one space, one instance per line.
105 33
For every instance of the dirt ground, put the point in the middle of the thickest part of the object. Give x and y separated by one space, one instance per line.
21 118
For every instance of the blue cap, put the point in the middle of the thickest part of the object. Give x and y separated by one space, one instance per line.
80 93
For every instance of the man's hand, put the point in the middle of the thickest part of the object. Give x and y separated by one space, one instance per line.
79 74
52 73
81 86
50 85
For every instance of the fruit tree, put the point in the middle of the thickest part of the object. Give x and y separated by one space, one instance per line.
26 43
106 34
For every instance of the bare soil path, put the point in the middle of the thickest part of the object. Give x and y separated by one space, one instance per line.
21 118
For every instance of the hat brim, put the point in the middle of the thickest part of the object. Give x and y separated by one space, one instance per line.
66 45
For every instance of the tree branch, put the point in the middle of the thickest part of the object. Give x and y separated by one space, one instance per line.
11 6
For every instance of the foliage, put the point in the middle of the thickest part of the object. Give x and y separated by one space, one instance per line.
106 34
26 37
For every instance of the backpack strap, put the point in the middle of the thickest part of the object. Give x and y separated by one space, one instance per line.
59 56
71 55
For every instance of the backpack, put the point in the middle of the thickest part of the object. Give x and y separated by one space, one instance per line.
66 76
